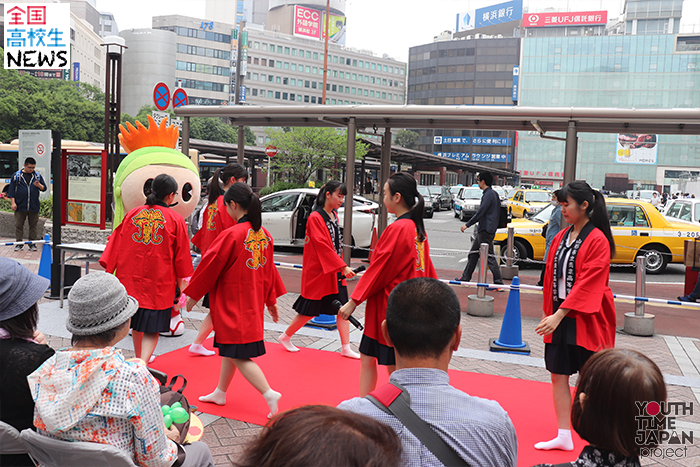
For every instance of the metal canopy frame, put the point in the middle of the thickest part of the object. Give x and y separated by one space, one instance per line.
570 120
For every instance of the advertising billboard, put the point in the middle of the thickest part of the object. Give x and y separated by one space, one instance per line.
490 15
636 149
307 22
541 20
37 36
337 26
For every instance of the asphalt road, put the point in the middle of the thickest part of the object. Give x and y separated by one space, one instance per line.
448 246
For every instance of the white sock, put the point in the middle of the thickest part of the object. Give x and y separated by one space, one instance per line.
347 351
562 442
286 342
272 398
153 357
199 349
217 397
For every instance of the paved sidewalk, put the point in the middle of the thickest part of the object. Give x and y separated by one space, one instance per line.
678 358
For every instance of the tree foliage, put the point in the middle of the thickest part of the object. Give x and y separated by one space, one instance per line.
407 139
301 151
29 103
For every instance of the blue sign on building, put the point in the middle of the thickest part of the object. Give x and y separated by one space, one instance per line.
490 141
76 71
451 139
490 15
487 157
242 94
458 156
516 78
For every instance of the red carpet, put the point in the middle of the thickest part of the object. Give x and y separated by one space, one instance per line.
320 377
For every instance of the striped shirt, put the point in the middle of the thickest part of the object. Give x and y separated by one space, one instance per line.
479 430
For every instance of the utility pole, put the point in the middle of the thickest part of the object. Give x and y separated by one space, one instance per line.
325 52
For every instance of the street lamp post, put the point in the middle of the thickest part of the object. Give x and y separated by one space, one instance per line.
115 46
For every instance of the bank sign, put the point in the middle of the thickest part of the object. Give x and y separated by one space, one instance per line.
37 36
490 15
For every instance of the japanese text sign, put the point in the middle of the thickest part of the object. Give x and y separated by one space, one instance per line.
539 20
490 15
37 36
307 22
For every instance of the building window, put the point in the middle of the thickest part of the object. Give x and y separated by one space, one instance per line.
313 99
308 54
270 78
292 97
307 83
294 52
294 67
271 63
263 61
264 46
315 55
254 92
293 82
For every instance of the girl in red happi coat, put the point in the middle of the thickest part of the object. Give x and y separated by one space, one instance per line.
149 252
402 253
324 272
578 308
239 273
214 220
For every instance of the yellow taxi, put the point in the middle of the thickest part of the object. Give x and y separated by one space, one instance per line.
638 229
526 203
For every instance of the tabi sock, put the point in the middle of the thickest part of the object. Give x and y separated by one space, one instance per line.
562 442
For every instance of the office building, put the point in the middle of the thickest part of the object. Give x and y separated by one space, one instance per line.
150 58
108 25
629 71
467 71
202 57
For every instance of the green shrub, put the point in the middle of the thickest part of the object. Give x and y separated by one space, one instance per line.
45 207
279 186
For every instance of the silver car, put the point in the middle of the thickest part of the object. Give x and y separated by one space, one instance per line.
467 202
284 215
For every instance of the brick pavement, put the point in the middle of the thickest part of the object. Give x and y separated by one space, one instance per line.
227 437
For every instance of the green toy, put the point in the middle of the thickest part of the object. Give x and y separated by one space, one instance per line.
174 414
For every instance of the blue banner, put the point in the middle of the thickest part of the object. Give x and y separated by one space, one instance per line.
458 156
490 15
482 157
490 141
451 139
516 77
76 71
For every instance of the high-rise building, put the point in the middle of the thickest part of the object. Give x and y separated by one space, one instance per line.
465 71
108 25
202 58
652 17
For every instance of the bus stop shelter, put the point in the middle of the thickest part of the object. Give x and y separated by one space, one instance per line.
544 120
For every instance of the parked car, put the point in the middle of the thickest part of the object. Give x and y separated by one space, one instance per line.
524 203
284 214
638 229
467 202
683 209
429 207
440 197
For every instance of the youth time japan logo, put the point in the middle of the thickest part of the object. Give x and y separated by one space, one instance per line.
656 425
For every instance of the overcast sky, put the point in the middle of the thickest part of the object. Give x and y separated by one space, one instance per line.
382 26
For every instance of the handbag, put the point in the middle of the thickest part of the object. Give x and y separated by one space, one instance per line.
544 230
394 399
169 396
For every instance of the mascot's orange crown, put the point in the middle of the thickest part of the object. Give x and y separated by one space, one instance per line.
132 138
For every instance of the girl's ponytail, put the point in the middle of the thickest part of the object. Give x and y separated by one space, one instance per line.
403 183
241 194
161 186
600 219
214 187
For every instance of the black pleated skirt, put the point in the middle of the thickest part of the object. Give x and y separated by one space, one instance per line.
324 306
372 348
241 351
151 321
565 359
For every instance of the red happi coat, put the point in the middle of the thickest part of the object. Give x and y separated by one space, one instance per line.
149 250
215 219
321 262
590 300
398 256
239 273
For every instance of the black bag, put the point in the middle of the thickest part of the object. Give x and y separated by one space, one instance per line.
544 230
503 219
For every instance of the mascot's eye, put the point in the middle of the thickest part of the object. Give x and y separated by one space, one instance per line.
147 187
186 192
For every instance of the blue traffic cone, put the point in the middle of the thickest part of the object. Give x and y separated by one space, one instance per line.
323 321
45 261
511 338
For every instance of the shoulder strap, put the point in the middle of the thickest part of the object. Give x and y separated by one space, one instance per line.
393 398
